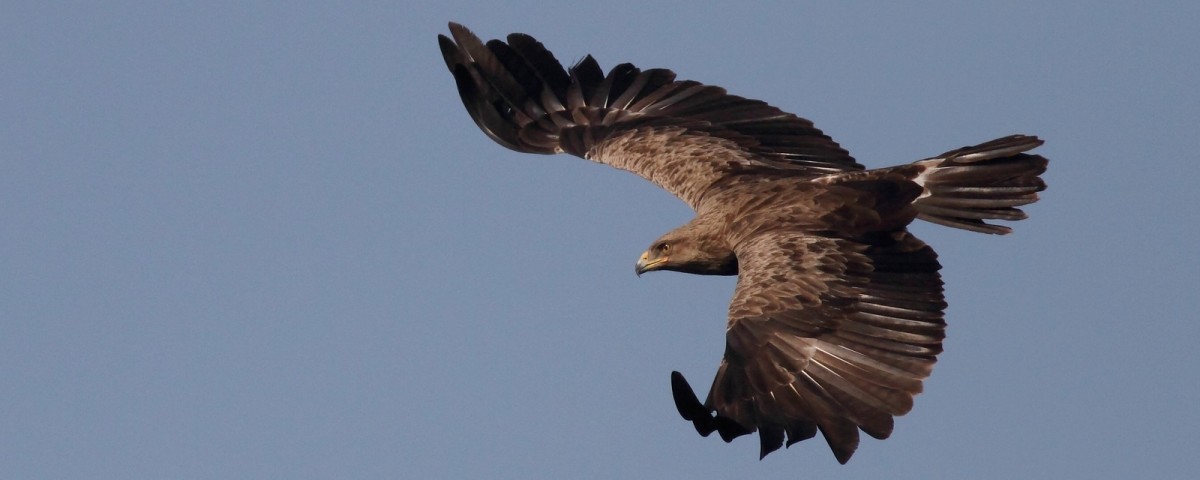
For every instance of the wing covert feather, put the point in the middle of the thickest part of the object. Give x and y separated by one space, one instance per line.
828 333
520 95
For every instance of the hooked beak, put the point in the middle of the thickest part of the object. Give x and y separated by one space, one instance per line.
644 264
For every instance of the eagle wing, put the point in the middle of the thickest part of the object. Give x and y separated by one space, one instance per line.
681 135
827 334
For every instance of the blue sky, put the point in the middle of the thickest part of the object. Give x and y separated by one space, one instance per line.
265 241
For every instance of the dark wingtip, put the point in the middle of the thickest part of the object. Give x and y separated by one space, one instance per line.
686 402
770 438
457 29
800 431
729 429
842 439
449 52
690 408
701 416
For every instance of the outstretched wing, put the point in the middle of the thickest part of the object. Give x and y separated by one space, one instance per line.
824 334
681 135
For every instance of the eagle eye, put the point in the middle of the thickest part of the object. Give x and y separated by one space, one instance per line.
663 247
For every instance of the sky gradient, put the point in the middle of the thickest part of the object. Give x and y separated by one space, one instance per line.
266 241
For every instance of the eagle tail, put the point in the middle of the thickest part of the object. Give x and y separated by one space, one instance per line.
964 187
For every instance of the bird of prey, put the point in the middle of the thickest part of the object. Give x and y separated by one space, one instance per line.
837 316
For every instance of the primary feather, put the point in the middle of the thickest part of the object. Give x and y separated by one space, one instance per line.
837 315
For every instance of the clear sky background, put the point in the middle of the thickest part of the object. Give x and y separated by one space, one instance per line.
264 240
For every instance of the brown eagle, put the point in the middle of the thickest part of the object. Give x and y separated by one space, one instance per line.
837 314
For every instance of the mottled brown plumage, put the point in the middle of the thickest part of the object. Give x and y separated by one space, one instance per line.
837 314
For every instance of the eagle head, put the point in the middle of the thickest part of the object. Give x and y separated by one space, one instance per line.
687 254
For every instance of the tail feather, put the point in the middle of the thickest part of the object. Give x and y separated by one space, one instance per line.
962 188
988 181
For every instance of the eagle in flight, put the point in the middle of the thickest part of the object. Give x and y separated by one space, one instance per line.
837 314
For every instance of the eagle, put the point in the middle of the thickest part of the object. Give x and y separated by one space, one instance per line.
837 316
